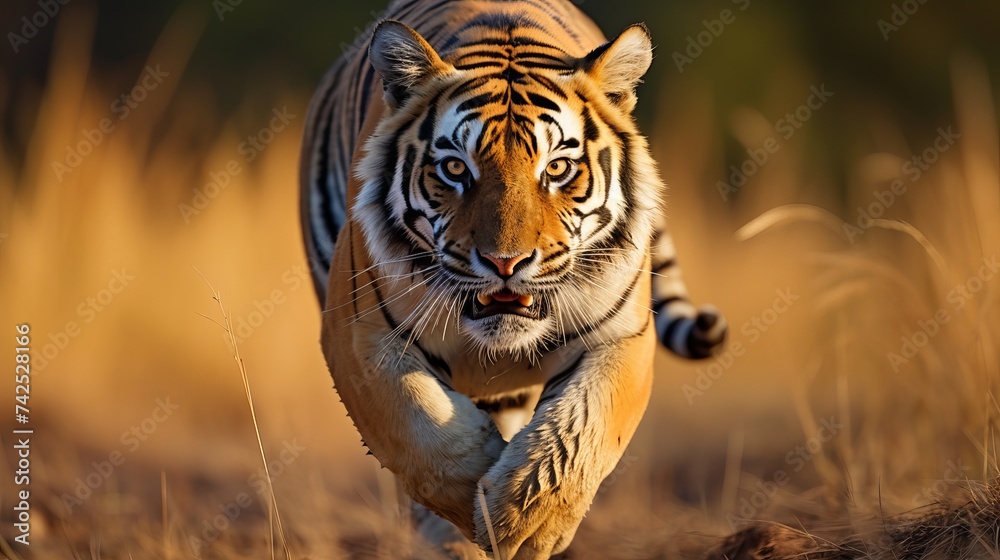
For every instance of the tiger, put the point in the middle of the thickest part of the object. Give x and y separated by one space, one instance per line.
482 220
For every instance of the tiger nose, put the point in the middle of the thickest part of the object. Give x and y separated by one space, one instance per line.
507 266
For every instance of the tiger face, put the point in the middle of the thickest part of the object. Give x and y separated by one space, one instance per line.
511 181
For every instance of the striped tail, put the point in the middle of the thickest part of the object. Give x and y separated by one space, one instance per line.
688 331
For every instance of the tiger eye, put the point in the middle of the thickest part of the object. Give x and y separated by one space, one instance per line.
559 170
558 167
455 167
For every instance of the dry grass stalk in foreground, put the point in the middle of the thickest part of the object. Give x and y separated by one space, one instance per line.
272 511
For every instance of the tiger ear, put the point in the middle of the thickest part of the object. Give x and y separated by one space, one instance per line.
619 65
402 58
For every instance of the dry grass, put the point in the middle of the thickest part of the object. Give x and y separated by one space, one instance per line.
273 513
907 437
938 531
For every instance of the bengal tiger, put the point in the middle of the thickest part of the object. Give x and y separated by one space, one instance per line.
481 217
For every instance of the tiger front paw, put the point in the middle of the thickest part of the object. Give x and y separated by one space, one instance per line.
526 521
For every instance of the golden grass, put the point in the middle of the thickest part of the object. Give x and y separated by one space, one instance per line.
272 509
924 431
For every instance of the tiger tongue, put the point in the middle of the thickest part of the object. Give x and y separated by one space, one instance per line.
507 297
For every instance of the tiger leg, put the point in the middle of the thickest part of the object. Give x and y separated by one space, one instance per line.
443 536
510 413
436 441
688 331
549 473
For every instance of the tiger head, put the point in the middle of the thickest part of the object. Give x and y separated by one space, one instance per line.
509 177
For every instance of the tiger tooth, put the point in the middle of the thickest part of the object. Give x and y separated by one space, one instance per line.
526 300
484 299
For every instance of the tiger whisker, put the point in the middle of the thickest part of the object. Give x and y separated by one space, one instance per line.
394 278
593 282
575 313
615 321
424 320
407 322
402 326
619 265
447 318
413 257
393 299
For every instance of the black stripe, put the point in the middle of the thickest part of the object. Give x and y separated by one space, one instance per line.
625 174
604 219
620 237
434 360
698 348
431 359
467 118
557 271
478 65
482 54
411 215
549 11
543 102
615 310
555 255
541 65
426 13
668 336
550 86
558 379
457 272
590 130
549 119
393 325
471 85
410 218
512 76
568 143
443 143
354 275
478 101
639 332
448 250
366 94
660 304
442 226
501 21
665 265
426 130
516 41
431 201
320 186
568 225
604 162
496 405
521 56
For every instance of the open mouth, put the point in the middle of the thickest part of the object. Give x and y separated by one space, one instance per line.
504 302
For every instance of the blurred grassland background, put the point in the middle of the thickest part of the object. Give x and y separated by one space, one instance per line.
808 391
